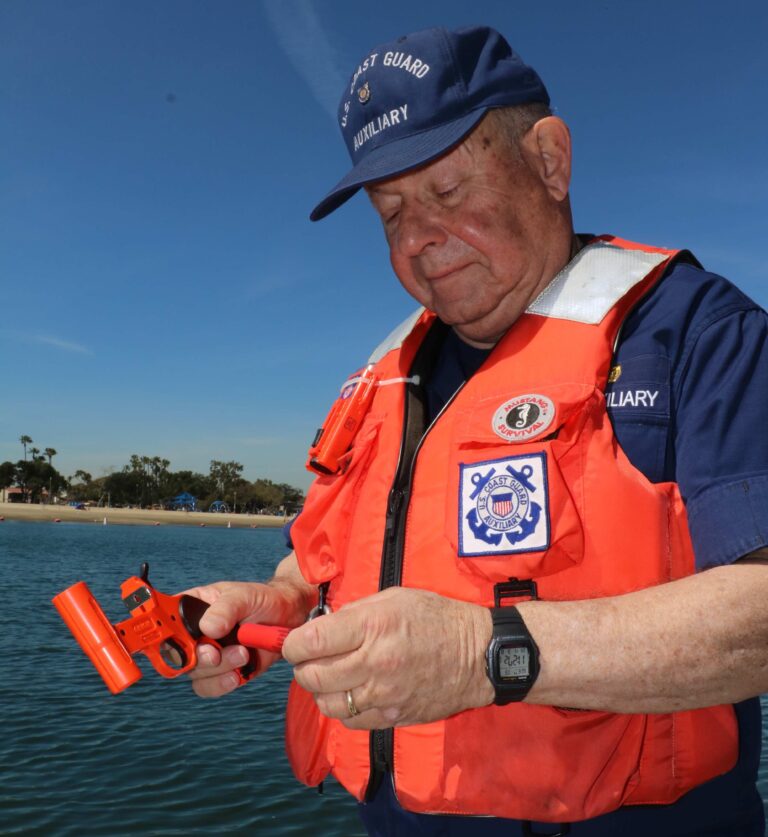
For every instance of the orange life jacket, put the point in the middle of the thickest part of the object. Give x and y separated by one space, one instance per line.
519 476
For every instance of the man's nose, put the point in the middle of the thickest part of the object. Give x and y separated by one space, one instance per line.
417 229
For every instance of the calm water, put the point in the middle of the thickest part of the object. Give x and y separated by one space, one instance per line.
155 759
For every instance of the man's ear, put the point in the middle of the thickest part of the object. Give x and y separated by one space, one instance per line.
547 147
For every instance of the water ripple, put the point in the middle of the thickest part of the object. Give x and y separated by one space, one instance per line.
155 759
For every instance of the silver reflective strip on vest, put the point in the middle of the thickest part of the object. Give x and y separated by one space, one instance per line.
593 282
395 339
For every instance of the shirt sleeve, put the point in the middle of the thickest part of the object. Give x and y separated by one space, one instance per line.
287 531
721 436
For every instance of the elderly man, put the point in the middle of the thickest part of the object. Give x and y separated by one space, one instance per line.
540 548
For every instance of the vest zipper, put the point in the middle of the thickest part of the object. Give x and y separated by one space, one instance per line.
415 431
382 740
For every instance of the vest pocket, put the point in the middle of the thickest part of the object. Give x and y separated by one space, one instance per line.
306 737
515 506
321 532
548 765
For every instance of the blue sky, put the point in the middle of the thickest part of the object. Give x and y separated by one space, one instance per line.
163 292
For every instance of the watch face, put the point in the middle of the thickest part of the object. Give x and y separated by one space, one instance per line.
514 663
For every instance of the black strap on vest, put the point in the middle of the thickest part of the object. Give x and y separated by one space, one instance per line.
527 826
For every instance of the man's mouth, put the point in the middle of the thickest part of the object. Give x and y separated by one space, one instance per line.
443 273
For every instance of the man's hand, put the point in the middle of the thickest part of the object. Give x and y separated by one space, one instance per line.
407 656
285 600
231 603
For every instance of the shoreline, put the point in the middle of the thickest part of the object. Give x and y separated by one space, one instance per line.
43 513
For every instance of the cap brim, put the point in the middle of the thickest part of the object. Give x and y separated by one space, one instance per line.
397 157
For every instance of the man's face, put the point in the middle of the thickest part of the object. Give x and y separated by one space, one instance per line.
470 235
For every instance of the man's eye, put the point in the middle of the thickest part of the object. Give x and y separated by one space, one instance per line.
447 193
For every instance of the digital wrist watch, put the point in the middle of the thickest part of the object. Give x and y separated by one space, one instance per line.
512 658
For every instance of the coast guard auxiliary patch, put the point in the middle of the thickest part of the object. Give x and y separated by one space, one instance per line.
504 506
523 417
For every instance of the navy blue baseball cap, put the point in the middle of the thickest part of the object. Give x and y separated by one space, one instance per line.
411 100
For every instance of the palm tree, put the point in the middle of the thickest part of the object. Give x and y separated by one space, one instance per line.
50 453
25 440
35 453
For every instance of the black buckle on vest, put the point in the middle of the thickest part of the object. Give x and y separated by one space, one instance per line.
514 589
527 825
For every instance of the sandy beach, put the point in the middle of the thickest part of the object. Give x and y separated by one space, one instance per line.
140 517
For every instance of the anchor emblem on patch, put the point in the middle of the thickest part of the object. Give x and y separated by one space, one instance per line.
503 506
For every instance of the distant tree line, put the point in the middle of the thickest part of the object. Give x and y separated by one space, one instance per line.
147 481
34 475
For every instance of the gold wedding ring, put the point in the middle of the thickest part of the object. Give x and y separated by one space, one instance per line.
351 708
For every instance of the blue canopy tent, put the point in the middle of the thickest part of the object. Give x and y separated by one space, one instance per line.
218 506
184 501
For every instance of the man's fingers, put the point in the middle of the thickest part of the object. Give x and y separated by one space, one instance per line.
329 674
224 614
208 656
336 705
229 605
215 673
211 661
213 687
327 636
207 592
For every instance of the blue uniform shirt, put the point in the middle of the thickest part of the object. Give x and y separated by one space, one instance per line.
688 402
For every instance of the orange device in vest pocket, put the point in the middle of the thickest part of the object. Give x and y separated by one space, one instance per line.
164 628
343 421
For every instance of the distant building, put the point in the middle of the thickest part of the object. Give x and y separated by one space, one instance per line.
12 495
